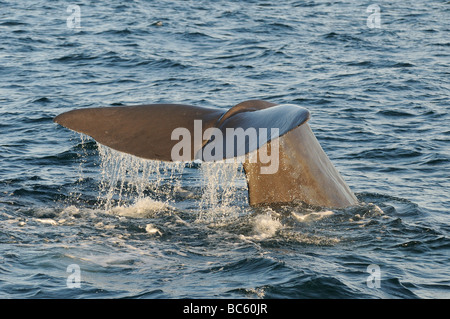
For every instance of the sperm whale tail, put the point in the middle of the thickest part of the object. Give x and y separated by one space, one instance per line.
172 132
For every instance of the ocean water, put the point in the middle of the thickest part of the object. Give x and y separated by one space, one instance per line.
78 220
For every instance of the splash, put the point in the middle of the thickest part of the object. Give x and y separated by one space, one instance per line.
135 187
142 208
82 155
266 225
224 186
127 179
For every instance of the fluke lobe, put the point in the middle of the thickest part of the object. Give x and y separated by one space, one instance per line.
303 172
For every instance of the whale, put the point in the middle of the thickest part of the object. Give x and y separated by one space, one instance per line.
254 131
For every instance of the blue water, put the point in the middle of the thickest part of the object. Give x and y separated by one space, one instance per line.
379 99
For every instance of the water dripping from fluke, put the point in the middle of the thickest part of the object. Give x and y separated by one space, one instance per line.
130 186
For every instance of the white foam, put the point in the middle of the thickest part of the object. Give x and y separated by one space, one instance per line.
152 230
258 292
265 226
376 210
70 210
144 207
47 221
101 225
312 216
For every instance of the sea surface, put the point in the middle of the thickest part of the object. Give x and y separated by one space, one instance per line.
78 220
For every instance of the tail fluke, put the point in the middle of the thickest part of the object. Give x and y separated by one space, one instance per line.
300 169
